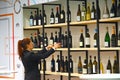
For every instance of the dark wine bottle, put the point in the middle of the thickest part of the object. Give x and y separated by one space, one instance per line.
62 40
45 17
71 64
113 9
70 40
40 18
78 18
90 66
62 16
113 37
35 41
45 40
84 71
115 66
87 39
57 17
57 64
95 66
69 13
35 19
51 39
66 64
52 17
39 39
31 37
80 65
62 64
65 39
107 38
56 38
53 64
118 9
95 38
81 39
93 11
119 39
31 19
109 66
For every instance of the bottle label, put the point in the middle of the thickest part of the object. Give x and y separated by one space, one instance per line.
31 22
51 20
95 43
118 42
92 15
61 16
70 65
108 71
78 18
56 66
83 14
81 43
51 41
44 19
87 41
34 22
94 70
84 71
106 44
39 66
112 14
56 20
39 22
79 70
105 15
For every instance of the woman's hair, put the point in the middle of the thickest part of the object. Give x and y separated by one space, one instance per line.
22 45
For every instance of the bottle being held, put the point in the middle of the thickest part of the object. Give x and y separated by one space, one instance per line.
87 39
106 11
57 17
80 65
62 16
83 12
109 67
113 37
93 11
52 17
107 38
88 13
81 40
78 18
113 9
53 64
31 19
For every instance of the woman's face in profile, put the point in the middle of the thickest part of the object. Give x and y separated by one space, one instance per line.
30 46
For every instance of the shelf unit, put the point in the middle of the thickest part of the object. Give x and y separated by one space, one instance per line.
81 23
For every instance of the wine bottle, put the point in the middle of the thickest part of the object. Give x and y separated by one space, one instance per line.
59 37
52 17
35 41
53 64
40 18
31 19
31 37
57 64
113 9
45 40
42 40
95 38
71 64
57 17
69 13
88 13
62 64
119 39
39 38
62 40
113 37
78 18
62 16
106 11
98 14
35 19
109 66
45 17
115 66
90 66
83 12
87 39
81 40
85 67
107 38
79 65
66 65
70 40
95 66
51 39
93 11
101 68
65 39
56 38
118 9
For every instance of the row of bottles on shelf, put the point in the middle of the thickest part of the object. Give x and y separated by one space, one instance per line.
37 39
84 13
61 65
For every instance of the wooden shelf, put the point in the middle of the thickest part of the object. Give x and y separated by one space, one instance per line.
82 49
117 19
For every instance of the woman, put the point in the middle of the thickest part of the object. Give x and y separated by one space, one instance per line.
30 60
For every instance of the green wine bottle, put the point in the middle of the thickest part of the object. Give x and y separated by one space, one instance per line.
107 38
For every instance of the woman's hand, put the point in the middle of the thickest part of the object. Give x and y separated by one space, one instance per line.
57 45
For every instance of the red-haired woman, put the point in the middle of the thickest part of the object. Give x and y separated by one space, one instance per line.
30 60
